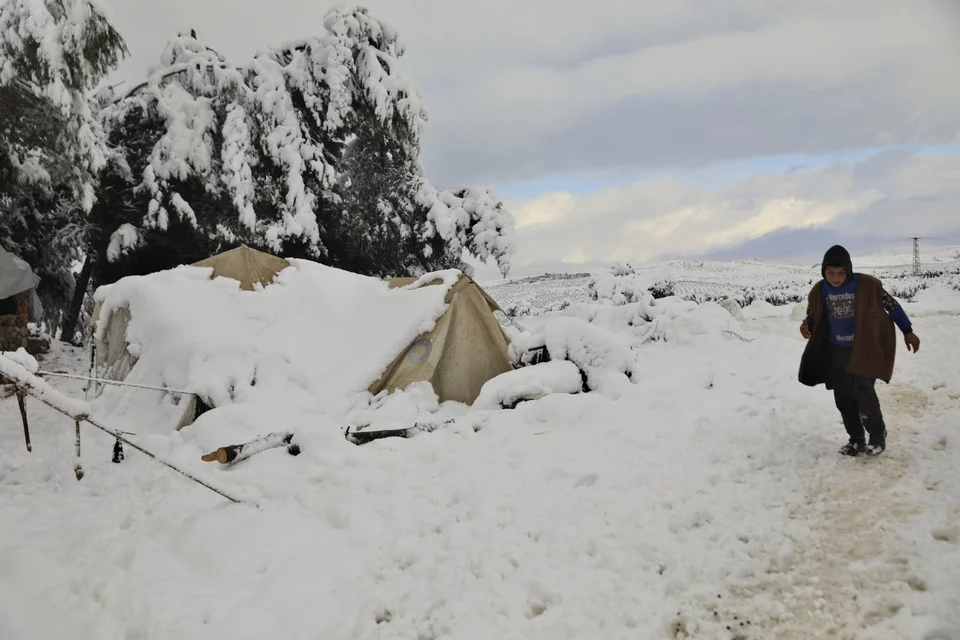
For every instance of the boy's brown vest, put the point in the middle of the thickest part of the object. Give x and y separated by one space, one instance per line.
874 342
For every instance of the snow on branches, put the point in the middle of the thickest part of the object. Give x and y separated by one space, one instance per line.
469 219
58 51
267 142
284 108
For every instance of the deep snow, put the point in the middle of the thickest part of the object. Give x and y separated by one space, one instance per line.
702 499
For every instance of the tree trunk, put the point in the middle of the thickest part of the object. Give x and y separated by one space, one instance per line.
79 292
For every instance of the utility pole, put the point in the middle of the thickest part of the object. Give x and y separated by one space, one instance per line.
916 256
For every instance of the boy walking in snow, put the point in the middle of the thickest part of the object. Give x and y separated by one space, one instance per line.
851 344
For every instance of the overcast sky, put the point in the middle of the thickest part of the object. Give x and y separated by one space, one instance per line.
637 130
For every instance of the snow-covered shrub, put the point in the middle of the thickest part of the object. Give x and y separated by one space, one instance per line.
591 347
676 320
778 294
527 349
905 289
401 409
558 306
622 285
516 309
732 307
529 383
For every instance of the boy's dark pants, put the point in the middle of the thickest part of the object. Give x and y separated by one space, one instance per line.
857 400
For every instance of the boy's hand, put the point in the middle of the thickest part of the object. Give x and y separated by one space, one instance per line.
805 330
913 342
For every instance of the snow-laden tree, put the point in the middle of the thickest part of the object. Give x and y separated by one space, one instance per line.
52 54
311 148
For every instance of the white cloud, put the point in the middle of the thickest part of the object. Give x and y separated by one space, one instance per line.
543 210
888 195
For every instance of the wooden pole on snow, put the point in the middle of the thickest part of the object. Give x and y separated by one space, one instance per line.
77 469
21 400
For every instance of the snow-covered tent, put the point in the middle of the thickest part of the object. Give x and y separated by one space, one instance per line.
18 301
311 338
249 267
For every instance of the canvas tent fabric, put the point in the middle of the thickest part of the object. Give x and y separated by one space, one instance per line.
248 266
16 276
465 349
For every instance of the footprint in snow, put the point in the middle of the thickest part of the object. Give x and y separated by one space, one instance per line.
587 481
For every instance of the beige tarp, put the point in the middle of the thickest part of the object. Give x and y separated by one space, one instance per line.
466 348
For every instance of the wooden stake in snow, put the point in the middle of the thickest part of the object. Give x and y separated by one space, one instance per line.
23 416
77 469
234 453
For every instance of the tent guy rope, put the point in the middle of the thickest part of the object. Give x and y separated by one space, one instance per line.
28 383
60 374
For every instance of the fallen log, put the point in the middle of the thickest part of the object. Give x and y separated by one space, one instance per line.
234 453
363 435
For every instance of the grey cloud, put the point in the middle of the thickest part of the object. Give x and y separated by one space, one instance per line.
522 90
742 123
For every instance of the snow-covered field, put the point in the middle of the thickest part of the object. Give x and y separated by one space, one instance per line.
739 280
700 498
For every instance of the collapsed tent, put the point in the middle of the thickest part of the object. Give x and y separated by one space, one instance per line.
246 326
19 303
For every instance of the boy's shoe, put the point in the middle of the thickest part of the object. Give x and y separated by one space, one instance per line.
853 448
877 445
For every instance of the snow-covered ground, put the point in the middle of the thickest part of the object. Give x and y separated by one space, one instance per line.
702 498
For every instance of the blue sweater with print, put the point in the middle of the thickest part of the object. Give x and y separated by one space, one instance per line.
840 305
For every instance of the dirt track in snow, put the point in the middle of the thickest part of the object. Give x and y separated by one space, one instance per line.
836 588
846 581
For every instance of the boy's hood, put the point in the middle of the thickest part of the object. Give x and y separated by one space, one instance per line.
837 256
